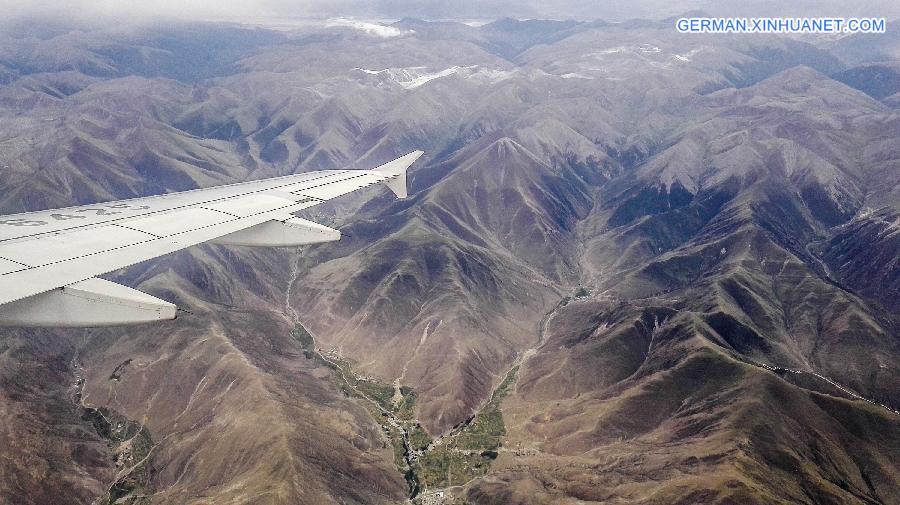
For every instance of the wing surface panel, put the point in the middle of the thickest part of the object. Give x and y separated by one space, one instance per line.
65 246
51 221
173 223
9 266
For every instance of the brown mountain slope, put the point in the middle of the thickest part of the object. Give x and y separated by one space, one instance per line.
679 421
456 286
722 361
224 399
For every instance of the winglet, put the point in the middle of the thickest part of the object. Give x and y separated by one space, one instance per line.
396 171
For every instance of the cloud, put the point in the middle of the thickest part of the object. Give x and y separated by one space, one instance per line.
232 10
374 29
125 9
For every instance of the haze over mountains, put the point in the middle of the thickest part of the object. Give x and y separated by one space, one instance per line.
286 12
682 249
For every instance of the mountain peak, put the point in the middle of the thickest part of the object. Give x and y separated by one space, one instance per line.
508 150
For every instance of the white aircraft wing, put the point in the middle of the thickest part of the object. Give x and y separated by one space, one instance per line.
49 260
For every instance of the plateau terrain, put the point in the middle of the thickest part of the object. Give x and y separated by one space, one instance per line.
635 266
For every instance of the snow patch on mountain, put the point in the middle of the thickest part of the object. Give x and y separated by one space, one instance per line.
575 75
413 77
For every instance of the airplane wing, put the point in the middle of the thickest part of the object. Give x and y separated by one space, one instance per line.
49 260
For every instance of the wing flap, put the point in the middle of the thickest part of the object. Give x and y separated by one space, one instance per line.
290 233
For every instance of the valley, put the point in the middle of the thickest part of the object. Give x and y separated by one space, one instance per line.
130 442
435 469
428 465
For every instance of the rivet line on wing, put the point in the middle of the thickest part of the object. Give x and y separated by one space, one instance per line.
135 229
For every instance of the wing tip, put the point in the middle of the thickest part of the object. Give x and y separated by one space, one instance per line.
396 170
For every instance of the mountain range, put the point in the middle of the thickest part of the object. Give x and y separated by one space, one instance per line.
635 266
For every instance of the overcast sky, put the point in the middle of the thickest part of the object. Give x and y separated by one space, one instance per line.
439 9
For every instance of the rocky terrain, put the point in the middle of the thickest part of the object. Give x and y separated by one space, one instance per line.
635 267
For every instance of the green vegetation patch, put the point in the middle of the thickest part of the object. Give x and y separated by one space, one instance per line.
119 370
377 398
464 455
468 453
485 432
305 339
380 393
406 409
418 438
446 466
396 439
138 479
465 467
132 444
433 468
